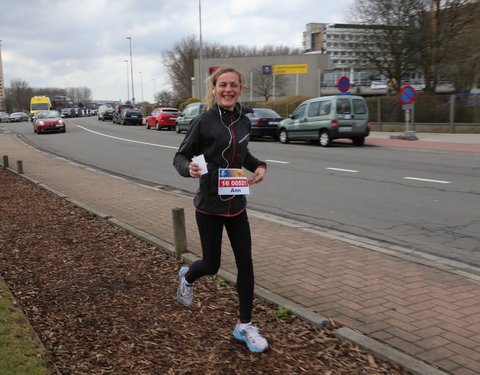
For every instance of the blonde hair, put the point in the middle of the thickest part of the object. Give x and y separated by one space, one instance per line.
212 81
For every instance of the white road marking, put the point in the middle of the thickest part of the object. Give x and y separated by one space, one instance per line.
127 140
427 180
343 170
278 161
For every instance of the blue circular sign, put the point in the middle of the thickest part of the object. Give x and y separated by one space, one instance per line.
343 84
407 94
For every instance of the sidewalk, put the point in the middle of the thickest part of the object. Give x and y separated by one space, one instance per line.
426 310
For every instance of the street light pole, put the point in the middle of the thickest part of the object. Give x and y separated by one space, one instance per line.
200 55
141 84
128 84
131 68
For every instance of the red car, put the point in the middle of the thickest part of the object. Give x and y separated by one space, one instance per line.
48 122
162 118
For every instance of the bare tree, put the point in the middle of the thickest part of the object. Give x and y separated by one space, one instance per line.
263 84
165 99
412 35
17 95
441 26
179 60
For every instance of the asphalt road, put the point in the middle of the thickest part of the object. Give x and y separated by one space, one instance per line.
416 199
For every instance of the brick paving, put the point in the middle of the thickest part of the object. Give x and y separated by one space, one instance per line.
417 307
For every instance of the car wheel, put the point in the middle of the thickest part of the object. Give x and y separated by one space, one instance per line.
283 136
325 139
358 141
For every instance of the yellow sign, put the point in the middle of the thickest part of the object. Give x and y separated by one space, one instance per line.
290 69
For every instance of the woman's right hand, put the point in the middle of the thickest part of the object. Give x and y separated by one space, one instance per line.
194 170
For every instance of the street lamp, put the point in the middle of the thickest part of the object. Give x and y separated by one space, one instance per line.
141 84
131 68
128 85
153 79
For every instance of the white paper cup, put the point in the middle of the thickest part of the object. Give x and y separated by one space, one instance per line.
200 160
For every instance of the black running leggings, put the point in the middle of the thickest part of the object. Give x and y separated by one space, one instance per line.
238 230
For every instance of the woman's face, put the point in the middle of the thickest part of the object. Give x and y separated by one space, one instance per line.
227 90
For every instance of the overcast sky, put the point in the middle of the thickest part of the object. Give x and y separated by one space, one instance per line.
71 43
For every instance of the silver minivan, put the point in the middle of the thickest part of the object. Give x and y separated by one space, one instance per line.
192 110
327 118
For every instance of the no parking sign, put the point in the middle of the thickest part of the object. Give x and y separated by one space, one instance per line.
407 95
343 84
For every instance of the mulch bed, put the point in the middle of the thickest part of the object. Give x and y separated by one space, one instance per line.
103 301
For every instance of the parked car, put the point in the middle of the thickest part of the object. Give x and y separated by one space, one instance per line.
68 112
327 118
264 123
130 116
107 114
48 122
162 118
18 117
118 112
3 117
192 110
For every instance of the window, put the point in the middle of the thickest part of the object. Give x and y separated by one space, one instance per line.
359 107
313 109
343 107
325 107
299 112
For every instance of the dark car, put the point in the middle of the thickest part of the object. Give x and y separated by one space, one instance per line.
107 114
68 112
264 123
118 112
48 122
162 118
18 117
191 111
130 116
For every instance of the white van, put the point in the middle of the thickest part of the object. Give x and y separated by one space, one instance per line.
101 111
327 118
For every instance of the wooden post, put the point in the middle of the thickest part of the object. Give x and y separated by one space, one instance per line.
5 161
452 114
19 167
179 233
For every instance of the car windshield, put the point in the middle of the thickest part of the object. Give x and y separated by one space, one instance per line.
39 106
48 114
265 112
133 112
171 111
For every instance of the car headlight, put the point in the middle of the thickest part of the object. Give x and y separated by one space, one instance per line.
41 123
60 122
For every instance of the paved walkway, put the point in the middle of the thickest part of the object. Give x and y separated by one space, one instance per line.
429 311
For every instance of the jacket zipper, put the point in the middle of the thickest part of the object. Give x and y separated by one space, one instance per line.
233 156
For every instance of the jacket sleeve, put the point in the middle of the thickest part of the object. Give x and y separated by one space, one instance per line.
251 162
188 148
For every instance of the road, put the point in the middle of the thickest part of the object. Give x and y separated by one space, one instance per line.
421 200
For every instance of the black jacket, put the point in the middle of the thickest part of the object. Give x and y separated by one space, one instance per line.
224 142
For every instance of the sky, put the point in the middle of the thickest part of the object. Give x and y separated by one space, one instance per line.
71 43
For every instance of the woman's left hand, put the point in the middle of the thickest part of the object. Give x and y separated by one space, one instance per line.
257 176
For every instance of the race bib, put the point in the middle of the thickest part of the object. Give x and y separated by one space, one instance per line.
232 181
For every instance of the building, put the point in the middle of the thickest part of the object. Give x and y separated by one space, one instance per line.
301 73
2 85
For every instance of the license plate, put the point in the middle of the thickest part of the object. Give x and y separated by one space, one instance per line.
345 129
134 116
274 122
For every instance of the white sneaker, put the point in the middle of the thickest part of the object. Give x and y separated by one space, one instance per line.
184 290
250 335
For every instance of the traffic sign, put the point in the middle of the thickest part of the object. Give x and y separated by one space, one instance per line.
407 94
343 84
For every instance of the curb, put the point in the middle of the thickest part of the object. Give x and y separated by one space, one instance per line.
381 350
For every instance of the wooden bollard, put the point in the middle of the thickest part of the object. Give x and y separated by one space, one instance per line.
5 161
19 167
179 233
